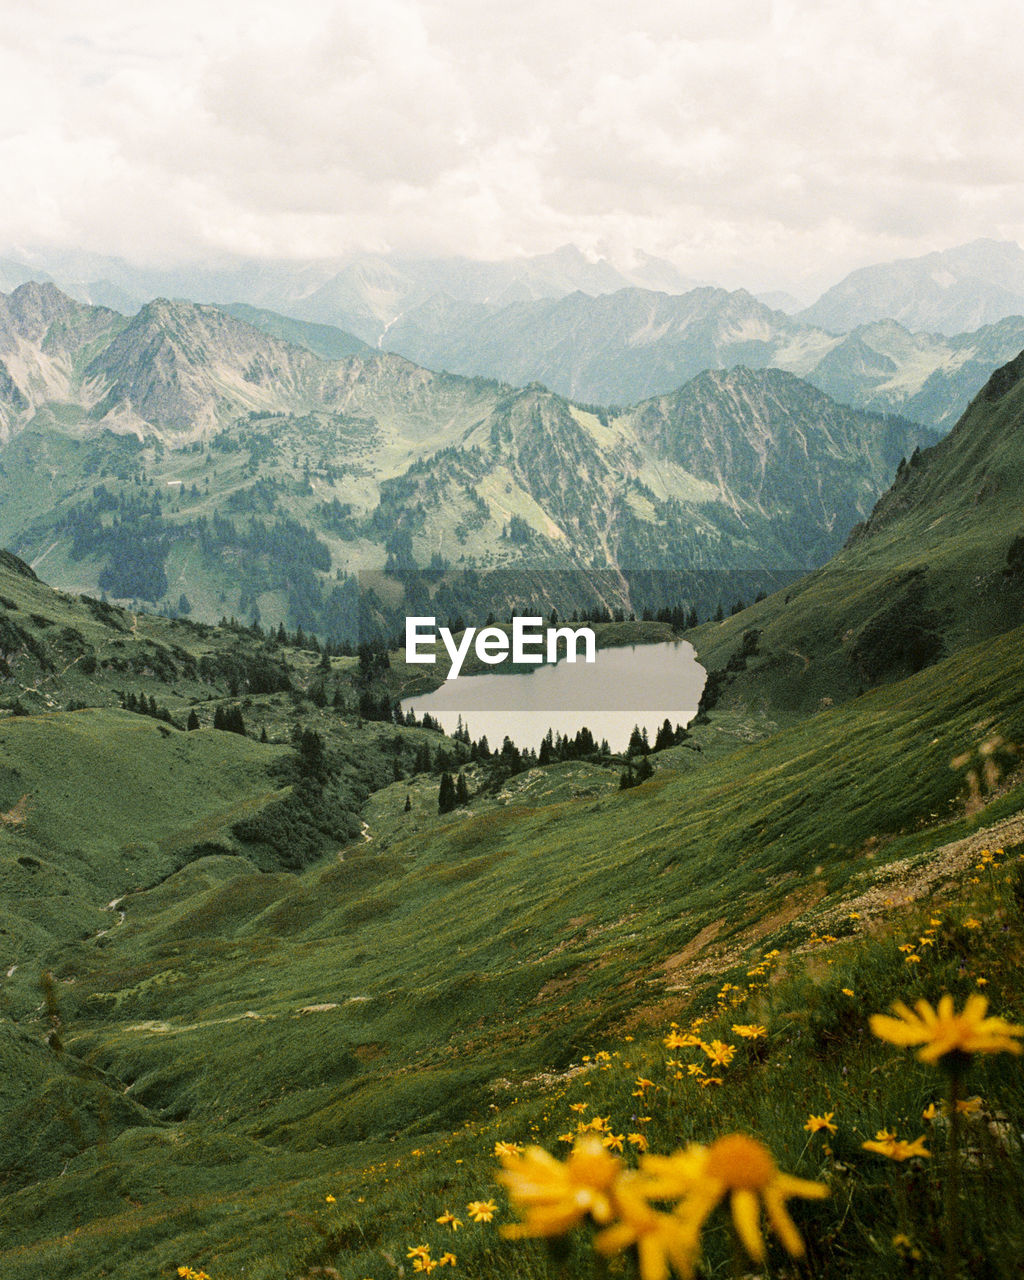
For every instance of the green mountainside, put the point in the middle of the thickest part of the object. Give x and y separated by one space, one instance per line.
189 460
227 1048
938 565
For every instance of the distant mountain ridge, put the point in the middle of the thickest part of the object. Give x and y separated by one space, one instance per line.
621 347
947 292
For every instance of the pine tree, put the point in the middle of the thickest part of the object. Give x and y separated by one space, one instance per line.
446 794
408 804
193 720
461 789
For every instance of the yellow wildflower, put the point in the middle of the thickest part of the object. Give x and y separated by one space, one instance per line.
638 1140
447 1260
942 1031
418 1251
744 1169
816 1123
751 1031
613 1141
481 1210
554 1196
578 1106
508 1148
330 1199
449 1220
971 923
912 959
662 1240
720 1054
887 1144
846 991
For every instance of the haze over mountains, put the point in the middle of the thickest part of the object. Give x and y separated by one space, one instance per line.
915 337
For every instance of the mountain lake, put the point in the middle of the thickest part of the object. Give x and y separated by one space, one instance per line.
626 686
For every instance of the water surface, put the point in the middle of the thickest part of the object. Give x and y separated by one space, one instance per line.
637 684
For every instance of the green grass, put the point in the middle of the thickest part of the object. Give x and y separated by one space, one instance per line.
434 962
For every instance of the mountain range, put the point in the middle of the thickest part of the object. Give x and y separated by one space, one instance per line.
268 1011
149 439
623 346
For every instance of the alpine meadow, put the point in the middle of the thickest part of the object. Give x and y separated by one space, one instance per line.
404 411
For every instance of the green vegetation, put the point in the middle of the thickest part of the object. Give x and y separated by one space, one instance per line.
265 1010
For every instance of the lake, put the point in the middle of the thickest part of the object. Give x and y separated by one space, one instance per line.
637 684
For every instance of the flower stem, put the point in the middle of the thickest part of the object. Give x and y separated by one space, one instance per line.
953 1174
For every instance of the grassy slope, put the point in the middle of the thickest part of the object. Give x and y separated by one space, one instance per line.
492 946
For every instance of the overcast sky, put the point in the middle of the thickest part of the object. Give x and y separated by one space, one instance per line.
756 143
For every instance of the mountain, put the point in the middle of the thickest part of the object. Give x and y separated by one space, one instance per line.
937 567
948 292
323 340
171 449
615 348
363 293
634 343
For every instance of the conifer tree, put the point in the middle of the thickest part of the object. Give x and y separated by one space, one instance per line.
446 794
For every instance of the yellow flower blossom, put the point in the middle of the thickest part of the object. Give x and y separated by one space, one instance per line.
329 1199
846 991
887 1144
637 1140
613 1141
449 1220
721 1054
447 1260
912 959
418 1251
481 1210
744 1169
663 1242
578 1106
554 1196
942 1031
971 923
508 1148
816 1123
750 1031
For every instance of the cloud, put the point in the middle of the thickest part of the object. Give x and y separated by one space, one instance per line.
750 141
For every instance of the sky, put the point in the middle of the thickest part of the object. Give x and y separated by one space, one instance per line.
755 143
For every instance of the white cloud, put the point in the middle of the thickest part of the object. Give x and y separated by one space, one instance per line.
750 141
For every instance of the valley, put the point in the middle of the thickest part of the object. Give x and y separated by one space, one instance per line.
271 1003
